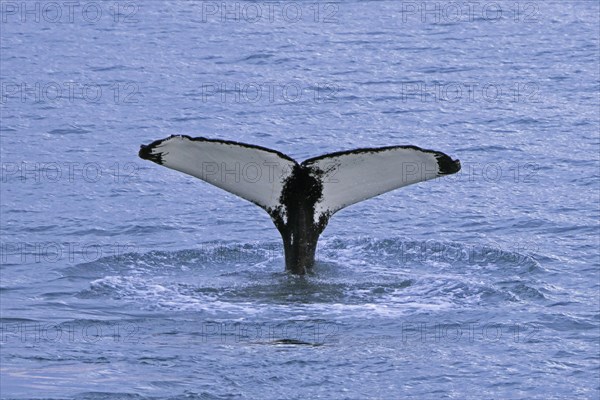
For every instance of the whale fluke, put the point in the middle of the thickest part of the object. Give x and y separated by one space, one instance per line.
300 198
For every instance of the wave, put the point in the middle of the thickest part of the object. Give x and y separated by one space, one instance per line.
372 275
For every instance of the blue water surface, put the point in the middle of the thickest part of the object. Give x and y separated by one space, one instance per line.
122 279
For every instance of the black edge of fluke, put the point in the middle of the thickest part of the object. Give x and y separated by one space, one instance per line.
146 153
446 164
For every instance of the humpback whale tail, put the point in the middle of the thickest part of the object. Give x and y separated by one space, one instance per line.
299 197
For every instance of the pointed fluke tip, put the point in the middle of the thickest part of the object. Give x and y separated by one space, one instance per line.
146 153
447 165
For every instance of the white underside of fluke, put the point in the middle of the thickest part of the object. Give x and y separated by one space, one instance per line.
349 178
252 173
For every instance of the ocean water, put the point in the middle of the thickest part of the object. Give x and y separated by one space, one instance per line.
122 279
